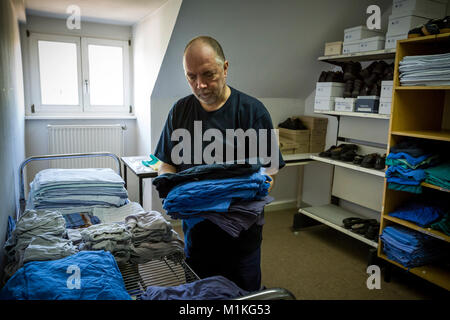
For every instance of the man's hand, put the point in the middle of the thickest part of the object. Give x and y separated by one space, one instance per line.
271 182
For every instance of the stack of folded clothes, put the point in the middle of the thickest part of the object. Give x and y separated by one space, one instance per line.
411 248
75 188
152 237
232 196
112 237
439 175
87 275
425 70
423 213
38 235
406 163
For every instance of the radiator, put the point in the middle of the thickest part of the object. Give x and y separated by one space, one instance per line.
64 139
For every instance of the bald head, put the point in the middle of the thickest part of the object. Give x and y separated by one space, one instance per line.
205 43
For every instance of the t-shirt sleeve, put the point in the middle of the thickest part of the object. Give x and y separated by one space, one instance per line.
165 144
264 121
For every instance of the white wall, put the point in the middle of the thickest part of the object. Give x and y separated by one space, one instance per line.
150 40
12 150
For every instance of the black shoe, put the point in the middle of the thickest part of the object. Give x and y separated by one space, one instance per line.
371 79
379 68
341 149
348 222
327 153
369 160
375 90
444 25
372 232
348 155
380 162
348 89
365 90
358 159
431 27
415 32
351 70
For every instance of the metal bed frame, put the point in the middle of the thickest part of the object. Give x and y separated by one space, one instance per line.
171 270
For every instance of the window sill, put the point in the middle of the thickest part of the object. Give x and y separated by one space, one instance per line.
82 117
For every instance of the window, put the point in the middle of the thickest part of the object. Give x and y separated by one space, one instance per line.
79 75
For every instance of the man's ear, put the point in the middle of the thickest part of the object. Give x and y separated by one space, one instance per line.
225 68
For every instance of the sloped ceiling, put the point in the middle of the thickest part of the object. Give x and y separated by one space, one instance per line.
272 46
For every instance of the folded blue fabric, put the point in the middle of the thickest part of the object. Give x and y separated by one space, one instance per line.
411 248
212 288
78 220
411 160
419 213
406 174
99 276
215 194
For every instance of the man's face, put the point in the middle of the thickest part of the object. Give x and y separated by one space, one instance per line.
204 73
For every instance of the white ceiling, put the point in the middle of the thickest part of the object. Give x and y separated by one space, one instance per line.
125 12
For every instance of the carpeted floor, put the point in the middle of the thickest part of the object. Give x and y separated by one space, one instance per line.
320 263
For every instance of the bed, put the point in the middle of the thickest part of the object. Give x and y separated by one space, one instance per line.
169 270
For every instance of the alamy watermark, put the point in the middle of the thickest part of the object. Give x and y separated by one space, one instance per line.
74 20
374 20
74 280
374 280
250 146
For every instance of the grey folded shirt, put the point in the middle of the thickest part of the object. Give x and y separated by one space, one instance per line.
148 226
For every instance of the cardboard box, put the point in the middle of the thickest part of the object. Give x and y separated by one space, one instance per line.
372 44
289 146
329 89
314 123
351 47
324 103
385 106
333 48
391 40
297 136
344 104
386 89
423 8
358 33
401 25
367 104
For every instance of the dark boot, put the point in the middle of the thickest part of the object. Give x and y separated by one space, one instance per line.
357 88
348 89
351 70
323 76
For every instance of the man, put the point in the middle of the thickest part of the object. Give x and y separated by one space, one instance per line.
212 251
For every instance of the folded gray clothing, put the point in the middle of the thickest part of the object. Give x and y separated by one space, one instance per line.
74 235
155 250
149 226
110 245
105 231
48 248
41 221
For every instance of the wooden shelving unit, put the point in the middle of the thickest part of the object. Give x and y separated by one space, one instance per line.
419 112
355 114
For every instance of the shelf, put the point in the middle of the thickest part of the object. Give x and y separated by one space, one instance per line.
407 88
435 274
428 185
360 56
297 159
428 231
332 216
441 135
355 114
424 39
350 165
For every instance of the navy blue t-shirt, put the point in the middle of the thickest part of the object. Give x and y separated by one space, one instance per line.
240 111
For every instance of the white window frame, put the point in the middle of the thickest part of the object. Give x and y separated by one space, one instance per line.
84 106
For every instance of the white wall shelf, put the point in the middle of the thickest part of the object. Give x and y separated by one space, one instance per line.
355 114
360 56
349 165
332 216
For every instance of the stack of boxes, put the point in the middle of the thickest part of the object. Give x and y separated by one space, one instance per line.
361 39
310 140
386 97
408 14
326 93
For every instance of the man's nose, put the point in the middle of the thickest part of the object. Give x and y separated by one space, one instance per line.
201 84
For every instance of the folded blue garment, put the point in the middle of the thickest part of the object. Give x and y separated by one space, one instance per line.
406 174
99 276
408 182
211 288
411 160
419 213
215 194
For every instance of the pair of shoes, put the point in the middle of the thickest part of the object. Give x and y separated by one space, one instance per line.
293 124
351 70
327 153
361 226
358 159
372 232
374 160
348 89
331 76
344 151
433 26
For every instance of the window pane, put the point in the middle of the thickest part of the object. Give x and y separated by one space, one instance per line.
105 75
58 73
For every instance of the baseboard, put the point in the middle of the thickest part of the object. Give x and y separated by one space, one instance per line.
281 205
